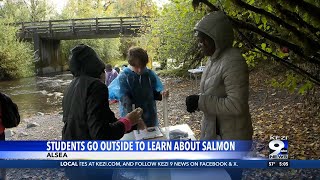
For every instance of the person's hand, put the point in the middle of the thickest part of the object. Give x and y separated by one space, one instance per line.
135 116
141 125
165 94
192 103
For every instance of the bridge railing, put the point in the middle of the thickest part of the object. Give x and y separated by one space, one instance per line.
81 25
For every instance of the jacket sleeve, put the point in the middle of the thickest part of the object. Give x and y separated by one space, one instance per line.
157 85
235 78
101 121
125 104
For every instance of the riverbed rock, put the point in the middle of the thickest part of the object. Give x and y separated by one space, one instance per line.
44 92
57 95
40 114
177 81
23 134
10 133
33 124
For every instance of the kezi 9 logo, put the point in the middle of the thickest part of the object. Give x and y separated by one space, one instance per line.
278 147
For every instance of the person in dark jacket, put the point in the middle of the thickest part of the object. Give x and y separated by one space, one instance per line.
86 111
2 128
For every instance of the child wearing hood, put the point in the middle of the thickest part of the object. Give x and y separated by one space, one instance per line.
140 87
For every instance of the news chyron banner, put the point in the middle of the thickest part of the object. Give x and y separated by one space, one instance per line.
144 154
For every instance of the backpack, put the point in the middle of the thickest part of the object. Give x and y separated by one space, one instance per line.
10 113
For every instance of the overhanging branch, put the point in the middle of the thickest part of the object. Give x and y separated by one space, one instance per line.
294 17
300 35
196 3
296 49
307 7
283 62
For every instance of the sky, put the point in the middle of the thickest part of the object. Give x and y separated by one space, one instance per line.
59 4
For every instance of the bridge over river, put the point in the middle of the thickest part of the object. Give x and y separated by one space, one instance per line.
47 35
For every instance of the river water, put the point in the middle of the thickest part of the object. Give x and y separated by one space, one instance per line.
37 95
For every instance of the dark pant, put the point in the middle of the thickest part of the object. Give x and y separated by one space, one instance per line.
2 171
235 174
2 137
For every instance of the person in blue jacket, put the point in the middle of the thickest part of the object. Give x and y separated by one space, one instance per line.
139 86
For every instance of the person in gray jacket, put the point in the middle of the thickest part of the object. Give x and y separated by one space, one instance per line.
224 85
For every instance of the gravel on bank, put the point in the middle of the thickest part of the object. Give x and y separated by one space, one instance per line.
43 127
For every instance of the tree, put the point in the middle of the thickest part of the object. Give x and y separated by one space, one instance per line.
85 9
13 11
272 26
134 8
287 33
171 34
107 49
16 58
39 10
26 10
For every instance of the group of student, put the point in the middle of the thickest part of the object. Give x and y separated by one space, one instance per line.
223 97
86 111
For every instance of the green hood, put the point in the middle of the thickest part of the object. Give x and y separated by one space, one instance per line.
85 61
218 27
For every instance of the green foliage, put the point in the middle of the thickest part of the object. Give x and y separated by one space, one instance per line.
118 62
83 9
16 11
293 83
110 50
171 36
133 8
258 17
107 49
16 58
250 58
32 10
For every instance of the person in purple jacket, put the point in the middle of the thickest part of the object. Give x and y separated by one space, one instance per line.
110 73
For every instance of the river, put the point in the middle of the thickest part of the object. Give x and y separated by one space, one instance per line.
37 95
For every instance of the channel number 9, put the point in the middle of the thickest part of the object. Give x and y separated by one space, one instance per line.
277 146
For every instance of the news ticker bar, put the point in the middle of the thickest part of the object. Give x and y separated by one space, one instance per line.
118 164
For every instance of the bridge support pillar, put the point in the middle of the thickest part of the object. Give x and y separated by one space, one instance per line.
37 55
48 55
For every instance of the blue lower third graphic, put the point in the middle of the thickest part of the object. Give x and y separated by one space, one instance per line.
159 164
